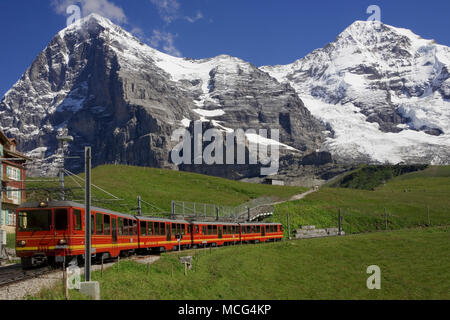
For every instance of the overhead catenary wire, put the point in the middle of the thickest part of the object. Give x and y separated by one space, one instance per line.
97 187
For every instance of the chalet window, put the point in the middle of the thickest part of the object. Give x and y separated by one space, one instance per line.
77 220
13 173
98 223
143 228
14 194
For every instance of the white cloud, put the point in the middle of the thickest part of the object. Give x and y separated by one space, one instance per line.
164 40
169 10
197 17
104 8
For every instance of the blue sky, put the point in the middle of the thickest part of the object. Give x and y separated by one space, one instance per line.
263 32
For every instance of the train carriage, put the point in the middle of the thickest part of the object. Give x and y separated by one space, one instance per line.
214 233
55 231
163 234
260 232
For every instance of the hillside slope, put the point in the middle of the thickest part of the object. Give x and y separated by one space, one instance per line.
159 187
406 199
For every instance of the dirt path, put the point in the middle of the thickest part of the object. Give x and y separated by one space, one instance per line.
298 196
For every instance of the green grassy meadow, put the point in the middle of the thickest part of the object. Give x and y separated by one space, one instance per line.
159 187
414 265
406 199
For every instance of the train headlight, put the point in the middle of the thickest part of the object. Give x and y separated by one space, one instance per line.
43 204
62 242
21 243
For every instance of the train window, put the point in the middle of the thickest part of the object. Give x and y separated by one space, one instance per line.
107 224
61 219
35 220
197 229
249 229
143 225
225 230
125 227
281 228
156 228
92 224
134 229
258 229
150 228
204 229
77 220
174 229
162 228
98 223
214 229
120 226
183 229
209 230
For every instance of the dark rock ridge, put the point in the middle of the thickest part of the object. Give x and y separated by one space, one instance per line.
125 99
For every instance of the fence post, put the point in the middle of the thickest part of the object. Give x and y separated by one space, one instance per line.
339 222
173 209
385 218
248 214
289 225
217 213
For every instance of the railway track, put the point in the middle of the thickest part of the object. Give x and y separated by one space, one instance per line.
15 273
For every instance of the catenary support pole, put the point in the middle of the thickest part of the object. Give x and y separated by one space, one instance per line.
139 208
339 221
87 254
289 225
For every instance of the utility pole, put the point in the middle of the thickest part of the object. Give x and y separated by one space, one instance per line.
386 218
289 225
87 254
139 208
62 138
339 221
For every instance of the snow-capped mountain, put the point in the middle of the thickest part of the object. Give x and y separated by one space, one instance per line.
126 99
383 92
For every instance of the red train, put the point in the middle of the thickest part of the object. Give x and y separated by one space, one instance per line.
55 232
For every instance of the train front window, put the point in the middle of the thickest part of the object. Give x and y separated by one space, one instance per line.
61 219
35 220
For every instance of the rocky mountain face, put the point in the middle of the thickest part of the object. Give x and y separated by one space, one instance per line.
383 93
125 99
374 95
